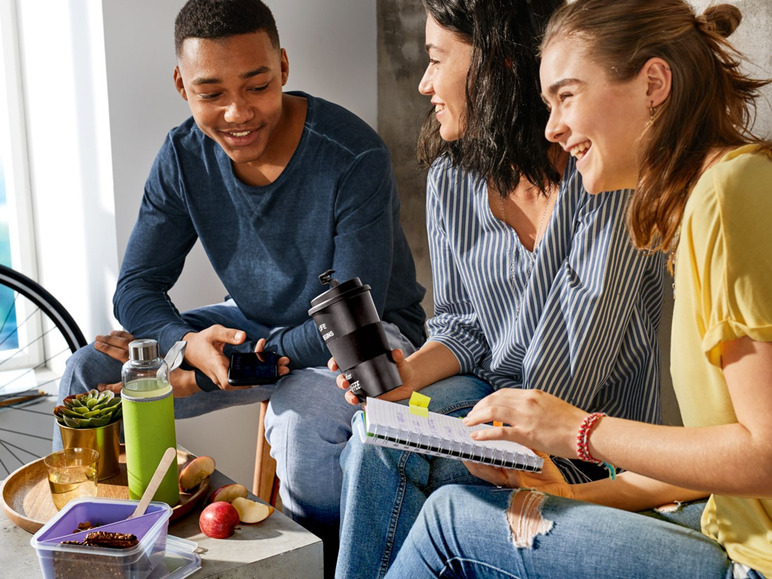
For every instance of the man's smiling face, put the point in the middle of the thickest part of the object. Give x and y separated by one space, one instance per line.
234 88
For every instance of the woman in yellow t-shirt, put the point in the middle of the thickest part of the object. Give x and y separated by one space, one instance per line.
644 95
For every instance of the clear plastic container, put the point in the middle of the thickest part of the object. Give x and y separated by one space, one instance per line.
140 561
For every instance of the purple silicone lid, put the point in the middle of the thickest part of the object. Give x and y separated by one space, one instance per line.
109 514
138 526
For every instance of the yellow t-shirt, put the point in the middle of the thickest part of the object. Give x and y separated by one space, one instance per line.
723 291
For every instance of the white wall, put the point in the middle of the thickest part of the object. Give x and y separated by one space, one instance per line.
69 155
101 100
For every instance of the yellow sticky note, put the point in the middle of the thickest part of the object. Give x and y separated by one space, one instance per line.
417 399
419 404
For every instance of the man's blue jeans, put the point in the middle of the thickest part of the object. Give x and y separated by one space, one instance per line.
463 531
307 424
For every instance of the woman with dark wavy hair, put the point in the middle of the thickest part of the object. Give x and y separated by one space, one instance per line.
536 284
644 95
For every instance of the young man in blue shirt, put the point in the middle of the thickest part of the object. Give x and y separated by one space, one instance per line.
278 187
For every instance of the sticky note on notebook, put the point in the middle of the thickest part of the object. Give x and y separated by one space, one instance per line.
419 404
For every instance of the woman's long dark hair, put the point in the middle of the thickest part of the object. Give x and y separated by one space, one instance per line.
503 138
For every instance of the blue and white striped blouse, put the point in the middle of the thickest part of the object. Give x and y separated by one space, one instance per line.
587 328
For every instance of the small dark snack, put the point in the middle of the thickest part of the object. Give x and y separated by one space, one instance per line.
84 526
106 539
111 540
72 543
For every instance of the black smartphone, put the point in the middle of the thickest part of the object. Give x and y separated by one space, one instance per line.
253 369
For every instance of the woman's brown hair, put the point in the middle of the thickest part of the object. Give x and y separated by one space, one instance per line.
505 117
711 103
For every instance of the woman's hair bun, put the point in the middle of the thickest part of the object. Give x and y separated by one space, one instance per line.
722 18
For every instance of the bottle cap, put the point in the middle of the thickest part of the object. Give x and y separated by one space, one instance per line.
143 350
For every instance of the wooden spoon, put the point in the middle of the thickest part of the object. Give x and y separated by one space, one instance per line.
166 460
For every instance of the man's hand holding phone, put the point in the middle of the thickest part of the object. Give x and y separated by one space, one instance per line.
205 351
256 368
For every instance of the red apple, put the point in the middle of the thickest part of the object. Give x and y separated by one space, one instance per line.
218 520
229 492
195 471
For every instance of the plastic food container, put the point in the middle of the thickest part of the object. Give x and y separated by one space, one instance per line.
60 560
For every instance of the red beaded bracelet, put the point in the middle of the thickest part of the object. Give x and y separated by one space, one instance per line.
583 441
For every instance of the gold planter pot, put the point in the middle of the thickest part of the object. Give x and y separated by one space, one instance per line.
105 440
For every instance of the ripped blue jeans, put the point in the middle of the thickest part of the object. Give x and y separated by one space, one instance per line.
470 531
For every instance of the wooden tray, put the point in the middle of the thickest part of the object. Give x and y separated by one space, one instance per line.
26 498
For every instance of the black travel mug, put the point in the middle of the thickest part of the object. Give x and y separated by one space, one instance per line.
346 317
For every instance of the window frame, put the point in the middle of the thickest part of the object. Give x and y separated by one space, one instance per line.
16 174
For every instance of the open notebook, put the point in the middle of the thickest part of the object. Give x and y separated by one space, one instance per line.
393 425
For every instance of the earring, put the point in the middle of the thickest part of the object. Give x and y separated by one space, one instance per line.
652 112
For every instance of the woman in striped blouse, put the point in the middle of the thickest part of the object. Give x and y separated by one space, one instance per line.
536 284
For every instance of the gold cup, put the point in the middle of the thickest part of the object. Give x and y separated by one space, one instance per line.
72 473
104 439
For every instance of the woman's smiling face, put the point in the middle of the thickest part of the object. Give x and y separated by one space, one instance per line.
445 78
599 121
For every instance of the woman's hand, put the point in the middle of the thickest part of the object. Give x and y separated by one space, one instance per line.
532 418
550 480
400 393
431 363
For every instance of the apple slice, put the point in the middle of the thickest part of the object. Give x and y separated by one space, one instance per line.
196 471
229 492
251 511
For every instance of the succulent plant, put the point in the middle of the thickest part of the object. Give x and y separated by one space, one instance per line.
90 409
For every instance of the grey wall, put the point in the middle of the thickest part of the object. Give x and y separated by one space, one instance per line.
401 110
401 62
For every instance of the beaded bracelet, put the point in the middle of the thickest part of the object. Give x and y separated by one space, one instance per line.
583 442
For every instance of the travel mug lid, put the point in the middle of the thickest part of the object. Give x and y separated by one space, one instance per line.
337 292
143 350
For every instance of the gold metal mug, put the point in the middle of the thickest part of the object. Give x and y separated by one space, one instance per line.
104 439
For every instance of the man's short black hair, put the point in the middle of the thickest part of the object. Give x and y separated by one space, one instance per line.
223 18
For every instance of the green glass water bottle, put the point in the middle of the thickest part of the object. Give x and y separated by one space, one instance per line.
148 420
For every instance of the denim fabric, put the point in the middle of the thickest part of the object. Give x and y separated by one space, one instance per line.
307 425
463 532
384 489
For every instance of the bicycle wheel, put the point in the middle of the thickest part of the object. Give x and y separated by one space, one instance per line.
37 335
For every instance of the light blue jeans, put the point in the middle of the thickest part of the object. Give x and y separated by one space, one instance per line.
307 424
384 489
463 531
